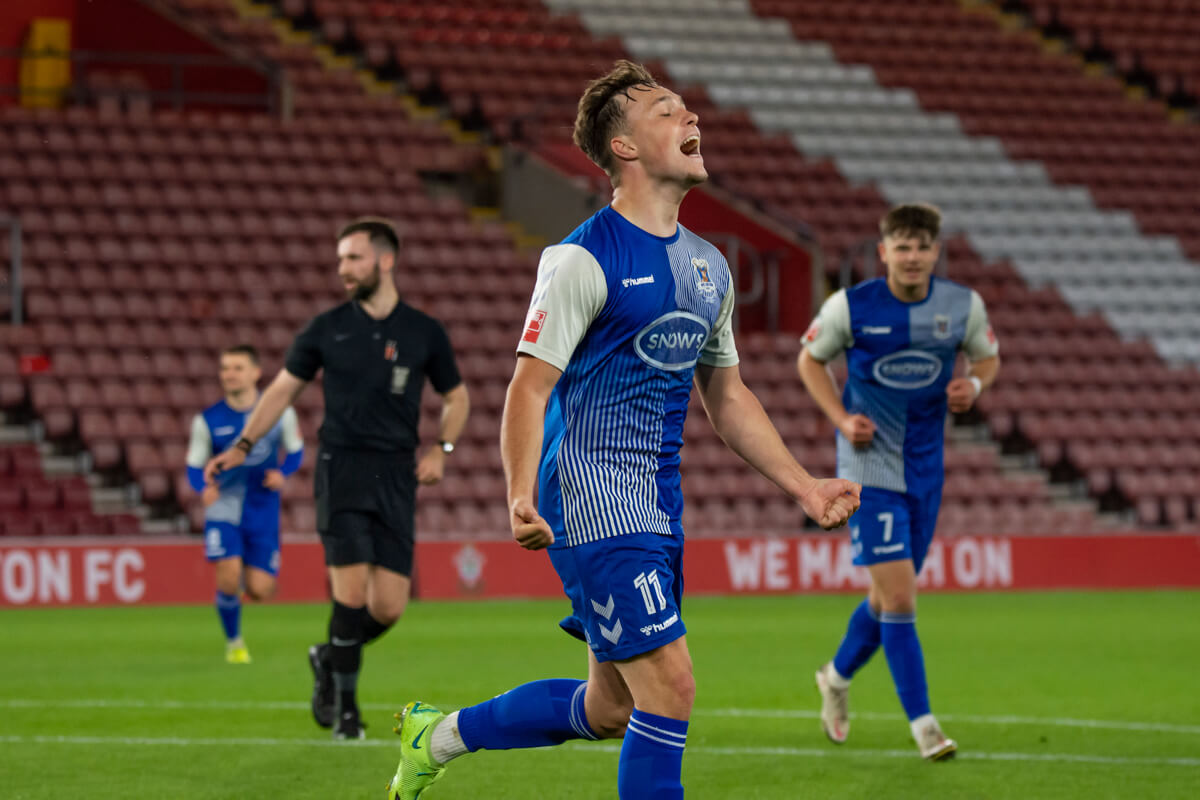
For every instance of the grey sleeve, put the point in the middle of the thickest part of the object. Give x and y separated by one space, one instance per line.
570 292
719 350
199 444
980 341
289 429
830 333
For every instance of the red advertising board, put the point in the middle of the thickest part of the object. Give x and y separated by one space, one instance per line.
50 572
128 571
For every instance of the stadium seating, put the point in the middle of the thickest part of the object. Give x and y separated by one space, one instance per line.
1161 33
159 241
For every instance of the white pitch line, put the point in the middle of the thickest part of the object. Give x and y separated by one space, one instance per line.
1004 719
795 752
754 713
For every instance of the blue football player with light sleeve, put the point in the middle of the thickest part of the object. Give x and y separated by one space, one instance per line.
901 335
241 521
628 312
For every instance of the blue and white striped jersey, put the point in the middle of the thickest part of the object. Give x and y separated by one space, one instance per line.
626 315
243 500
899 358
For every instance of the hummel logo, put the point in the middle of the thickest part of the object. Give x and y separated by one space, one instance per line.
627 282
417 741
658 627
614 635
605 611
341 337
877 329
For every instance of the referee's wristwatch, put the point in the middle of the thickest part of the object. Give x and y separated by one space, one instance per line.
447 447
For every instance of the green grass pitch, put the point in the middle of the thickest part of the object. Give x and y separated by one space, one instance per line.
1050 695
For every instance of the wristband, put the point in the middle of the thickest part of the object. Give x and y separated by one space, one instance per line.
978 384
244 444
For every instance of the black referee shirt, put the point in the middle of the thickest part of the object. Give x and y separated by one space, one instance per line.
374 373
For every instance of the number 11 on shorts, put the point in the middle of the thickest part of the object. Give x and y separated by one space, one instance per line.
643 582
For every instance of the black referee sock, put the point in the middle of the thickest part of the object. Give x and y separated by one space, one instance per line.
372 628
345 650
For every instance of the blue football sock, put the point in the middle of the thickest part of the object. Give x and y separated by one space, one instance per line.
229 609
651 761
538 714
862 639
905 660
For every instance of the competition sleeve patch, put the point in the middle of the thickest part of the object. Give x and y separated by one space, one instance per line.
533 327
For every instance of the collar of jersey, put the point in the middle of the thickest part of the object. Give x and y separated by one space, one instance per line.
622 222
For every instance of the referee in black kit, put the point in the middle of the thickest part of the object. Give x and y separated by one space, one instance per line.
376 352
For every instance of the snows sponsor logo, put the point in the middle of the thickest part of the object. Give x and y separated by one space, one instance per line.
908 369
673 341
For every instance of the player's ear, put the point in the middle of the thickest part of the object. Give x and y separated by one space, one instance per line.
387 261
882 248
623 148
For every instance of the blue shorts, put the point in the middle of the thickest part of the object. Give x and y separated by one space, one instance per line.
626 593
890 526
256 548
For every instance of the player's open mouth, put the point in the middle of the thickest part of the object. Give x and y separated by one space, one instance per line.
691 146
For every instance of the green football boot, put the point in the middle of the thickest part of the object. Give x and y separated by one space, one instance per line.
417 769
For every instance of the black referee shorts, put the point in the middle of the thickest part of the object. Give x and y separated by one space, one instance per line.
366 502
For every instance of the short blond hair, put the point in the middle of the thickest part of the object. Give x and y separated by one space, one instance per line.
601 114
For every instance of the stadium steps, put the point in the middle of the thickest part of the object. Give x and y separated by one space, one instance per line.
1148 47
47 494
15 434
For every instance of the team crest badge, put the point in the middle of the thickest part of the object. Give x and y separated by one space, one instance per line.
468 561
941 326
708 289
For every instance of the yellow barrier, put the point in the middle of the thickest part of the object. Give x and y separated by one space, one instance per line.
46 70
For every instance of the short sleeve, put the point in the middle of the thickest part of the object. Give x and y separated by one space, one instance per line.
289 424
441 367
719 350
980 341
570 293
199 444
830 333
304 357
